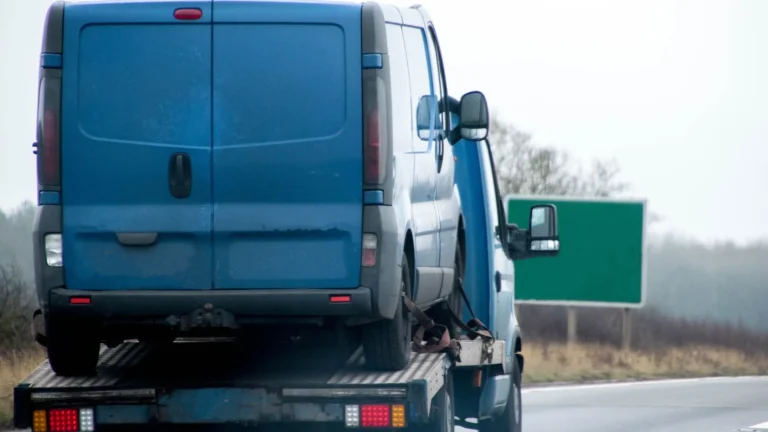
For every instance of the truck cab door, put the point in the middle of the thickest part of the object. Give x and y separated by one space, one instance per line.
502 269
445 203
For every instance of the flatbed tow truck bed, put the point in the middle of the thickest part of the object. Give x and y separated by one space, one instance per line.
225 382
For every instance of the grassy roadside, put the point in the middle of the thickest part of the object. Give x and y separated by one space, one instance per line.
556 362
13 368
544 362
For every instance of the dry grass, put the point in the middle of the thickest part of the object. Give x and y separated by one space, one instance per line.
14 367
555 362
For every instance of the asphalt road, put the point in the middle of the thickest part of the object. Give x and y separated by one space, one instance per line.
701 405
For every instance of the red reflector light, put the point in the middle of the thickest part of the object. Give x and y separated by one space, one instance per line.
187 14
80 300
63 420
374 415
341 299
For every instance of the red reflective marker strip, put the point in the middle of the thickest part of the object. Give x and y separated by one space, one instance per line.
79 300
341 299
188 14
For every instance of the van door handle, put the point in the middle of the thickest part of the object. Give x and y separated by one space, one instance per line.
137 239
180 175
497 280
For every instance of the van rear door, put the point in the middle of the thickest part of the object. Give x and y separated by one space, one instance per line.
287 144
136 145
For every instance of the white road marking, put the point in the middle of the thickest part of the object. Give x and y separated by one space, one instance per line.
635 383
761 426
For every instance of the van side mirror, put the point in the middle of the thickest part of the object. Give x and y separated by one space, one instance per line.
473 116
424 121
542 229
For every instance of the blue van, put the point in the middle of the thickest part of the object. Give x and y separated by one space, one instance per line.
210 166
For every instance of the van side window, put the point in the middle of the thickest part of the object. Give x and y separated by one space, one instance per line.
438 76
418 67
402 119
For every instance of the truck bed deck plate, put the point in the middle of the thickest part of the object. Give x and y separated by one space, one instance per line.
134 365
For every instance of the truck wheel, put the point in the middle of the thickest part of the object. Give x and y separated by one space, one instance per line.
511 420
387 343
441 415
73 349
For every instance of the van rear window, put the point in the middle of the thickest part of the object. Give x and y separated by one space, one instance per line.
145 83
278 82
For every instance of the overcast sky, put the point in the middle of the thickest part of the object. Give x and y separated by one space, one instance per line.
675 90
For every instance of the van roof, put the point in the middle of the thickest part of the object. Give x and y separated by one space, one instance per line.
408 15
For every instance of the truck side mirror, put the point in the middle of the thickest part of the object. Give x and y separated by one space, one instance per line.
543 238
473 116
424 121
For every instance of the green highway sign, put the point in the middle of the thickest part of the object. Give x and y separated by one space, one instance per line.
602 253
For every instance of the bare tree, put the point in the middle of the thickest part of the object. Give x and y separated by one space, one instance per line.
16 304
525 168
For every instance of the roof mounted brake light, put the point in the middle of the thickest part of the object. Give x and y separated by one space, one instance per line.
188 14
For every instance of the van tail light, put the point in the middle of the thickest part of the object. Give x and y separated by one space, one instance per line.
49 132
373 168
370 244
375 128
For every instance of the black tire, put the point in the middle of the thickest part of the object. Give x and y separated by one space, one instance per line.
159 337
511 420
455 302
442 413
387 343
73 348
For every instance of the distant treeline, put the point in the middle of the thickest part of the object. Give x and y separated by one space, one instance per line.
16 239
725 282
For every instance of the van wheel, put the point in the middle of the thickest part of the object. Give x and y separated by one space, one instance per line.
454 304
73 349
511 420
387 343
455 300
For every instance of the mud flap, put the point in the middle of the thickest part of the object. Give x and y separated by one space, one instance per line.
38 328
494 396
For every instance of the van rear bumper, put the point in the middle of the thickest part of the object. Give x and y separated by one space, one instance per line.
142 305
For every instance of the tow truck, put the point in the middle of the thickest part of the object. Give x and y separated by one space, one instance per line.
472 372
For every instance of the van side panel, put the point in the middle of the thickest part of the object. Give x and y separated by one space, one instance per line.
136 91
287 145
